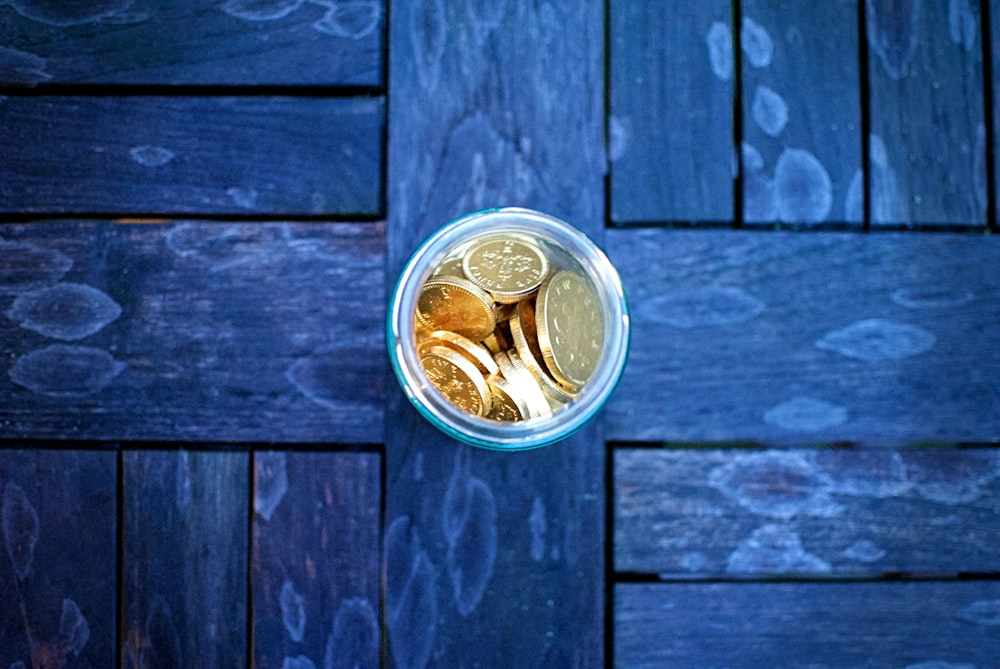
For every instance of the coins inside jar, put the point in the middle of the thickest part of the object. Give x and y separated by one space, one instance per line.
508 327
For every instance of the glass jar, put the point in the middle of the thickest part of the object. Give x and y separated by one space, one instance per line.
579 309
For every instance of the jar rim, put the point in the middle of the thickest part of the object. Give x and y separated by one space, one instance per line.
476 430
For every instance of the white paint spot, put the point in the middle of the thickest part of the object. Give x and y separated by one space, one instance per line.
73 628
354 639
25 267
774 549
940 664
769 110
538 526
956 479
854 199
878 339
704 307
151 156
778 484
979 185
983 612
962 24
67 311
20 528
893 31
878 474
803 188
805 414
293 611
297 662
931 297
693 561
885 204
428 37
66 371
270 481
756 43
864 550
719 41
352 20
617 138
260 10
760 199
21 67
243 197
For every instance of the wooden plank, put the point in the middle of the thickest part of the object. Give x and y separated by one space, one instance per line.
172 155
503 105
184 558
927 153
790 338
994 55
237 42
316 559
58 584
671 125
801 159
805 625
185 333
735 513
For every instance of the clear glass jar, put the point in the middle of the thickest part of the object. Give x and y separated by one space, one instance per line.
568 250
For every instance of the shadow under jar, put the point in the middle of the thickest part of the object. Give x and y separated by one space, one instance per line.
508 329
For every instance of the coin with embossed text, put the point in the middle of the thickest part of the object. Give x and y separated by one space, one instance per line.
508 267
458 379
570 328
457 305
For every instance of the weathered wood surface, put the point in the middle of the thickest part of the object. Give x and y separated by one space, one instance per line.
202 155
184 558
818 513
928 140
232 42
992 151
58 583
671 125
919 625
193 332
498 104
316 570
801 152
795 338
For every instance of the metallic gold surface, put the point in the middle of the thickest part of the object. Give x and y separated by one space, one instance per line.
508 267
525 336
524 383
508 405
458 380
475 353
456 305
570 328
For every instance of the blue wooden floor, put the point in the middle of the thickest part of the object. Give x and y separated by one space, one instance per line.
204 459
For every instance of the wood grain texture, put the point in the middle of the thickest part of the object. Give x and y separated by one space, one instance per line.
763 513
184 558
790 338
927 153
499 103
801 153
671 125
218 155
994 55
804 625
235 42
193 331
58 585
316 558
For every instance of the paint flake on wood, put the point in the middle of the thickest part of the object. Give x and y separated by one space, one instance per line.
918 625
791 338
154 155
185 558
671 123
58 585
316 559
184 331
801 152
927 162
738 513
227 42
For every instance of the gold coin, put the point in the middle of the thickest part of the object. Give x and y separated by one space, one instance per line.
499 339
525 336
450 266
508 405
570 328
475 353
458 380
508 267
523 383
457 305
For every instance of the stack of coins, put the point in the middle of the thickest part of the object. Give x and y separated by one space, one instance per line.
506 330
